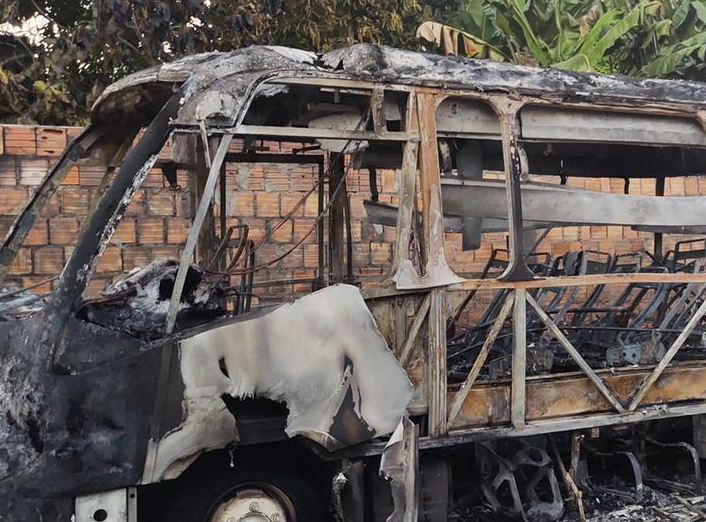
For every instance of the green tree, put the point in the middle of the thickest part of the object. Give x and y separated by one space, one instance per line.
656 38
88 44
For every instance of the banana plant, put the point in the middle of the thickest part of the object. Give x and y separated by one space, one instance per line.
568 34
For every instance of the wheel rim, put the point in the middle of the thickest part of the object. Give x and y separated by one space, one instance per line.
255 502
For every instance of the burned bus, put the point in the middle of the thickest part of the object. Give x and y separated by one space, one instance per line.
172 396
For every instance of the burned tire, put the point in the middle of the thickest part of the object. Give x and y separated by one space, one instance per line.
250 496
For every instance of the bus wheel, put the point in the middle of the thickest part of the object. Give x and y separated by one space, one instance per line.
258 496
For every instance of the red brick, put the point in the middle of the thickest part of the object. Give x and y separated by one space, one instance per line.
599 232
48 260
74 200
135 256
111 260
150 230
311 256
184 179
41 289
5 224
37 234
267 204
138 204
675 187
357 207
295 259
8 170
63 230
303 177
125 233
290 201
248 177
91 175
303 274
72 132
691 186
12 200
166 252
389 181
20 140
283 234
302 227
22 264
32 171
240 204
615 232
177 230
160 202
183 203
72 177
257 229
311 207
276 178
361 254
155 179
51 141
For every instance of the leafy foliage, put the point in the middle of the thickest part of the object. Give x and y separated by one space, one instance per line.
656 38
88 44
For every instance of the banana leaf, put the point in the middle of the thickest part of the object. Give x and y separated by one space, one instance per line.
456 42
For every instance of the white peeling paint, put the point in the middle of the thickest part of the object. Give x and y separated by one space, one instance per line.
308 354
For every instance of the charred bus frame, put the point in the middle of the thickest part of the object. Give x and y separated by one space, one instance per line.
413 307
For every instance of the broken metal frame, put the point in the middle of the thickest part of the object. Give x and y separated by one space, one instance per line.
517 278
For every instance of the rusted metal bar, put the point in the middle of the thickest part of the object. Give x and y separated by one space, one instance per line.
108 174
517 269
320 230
658 237
575 422
414 330
223 195
110 210
377 101
589 279
576 356
199 218
317 133
433 257
269 157
406 190
207 237
436 365
519 360
337 247
461 395
676 345
576 439
568 479
428 168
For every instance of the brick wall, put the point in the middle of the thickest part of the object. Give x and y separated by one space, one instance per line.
157 220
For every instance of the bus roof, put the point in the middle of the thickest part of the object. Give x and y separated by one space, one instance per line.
239 73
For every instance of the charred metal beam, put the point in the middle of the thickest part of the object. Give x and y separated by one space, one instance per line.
384 214
109 212
517 269
555 203
199 218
